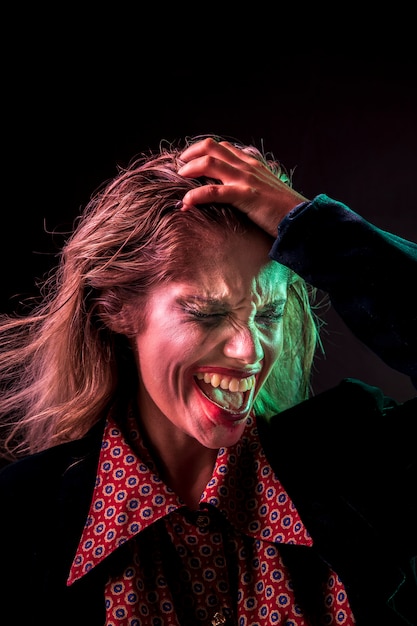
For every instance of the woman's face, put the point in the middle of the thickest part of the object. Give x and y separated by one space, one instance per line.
210 340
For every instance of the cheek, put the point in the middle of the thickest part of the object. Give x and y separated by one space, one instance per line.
274 337
273 344
164 347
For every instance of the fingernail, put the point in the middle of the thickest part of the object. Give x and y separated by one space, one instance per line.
178 205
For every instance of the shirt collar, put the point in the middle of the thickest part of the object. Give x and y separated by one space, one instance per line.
129 496
245 489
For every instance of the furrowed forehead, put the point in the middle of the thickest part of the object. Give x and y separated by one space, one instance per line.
269 286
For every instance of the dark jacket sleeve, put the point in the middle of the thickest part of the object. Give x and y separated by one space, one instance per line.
369 274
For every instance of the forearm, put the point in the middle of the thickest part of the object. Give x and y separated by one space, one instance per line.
369 274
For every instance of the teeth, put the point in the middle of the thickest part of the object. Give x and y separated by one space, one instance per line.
227 382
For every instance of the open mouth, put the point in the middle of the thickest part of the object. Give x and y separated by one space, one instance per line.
227 392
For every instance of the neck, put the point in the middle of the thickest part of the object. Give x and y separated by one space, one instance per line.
189 476
184 464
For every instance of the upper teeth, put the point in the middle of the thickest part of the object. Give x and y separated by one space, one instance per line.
227 382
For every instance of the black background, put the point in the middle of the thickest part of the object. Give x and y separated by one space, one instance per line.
82 94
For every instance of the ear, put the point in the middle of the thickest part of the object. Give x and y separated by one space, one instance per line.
117 323
115 316
125 319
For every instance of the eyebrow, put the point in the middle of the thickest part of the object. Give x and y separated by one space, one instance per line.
212 301
203 299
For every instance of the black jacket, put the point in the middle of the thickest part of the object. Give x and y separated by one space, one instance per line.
347 458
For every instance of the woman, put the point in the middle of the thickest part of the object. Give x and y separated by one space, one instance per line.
167 337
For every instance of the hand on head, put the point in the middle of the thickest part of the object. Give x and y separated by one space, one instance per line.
245 182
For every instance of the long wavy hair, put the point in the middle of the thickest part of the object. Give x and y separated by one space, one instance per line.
63 364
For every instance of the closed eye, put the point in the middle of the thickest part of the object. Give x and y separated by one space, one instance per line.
204 316
270 317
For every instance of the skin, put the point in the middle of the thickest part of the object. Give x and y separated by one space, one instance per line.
225 318
246 183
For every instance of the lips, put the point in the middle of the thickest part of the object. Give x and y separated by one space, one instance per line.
232 394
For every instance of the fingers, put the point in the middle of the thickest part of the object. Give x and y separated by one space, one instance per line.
222 150
210 167
219 160
221 194
236 170
213 160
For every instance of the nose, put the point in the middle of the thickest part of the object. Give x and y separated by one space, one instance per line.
244 344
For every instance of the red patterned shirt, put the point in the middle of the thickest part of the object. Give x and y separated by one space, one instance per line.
217 565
